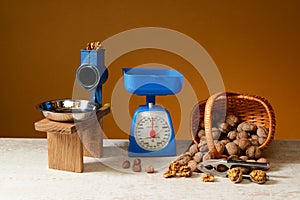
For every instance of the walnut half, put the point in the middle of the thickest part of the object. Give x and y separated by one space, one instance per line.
235 175
258 176
208 178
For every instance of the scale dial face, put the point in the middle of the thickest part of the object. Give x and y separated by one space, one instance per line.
152 130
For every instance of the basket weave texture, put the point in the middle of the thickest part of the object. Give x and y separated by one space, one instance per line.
249 108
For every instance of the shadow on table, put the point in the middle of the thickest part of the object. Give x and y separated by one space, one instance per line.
95 167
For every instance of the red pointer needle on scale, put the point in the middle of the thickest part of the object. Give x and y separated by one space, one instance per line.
152 132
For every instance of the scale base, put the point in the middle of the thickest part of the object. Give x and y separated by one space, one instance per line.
170 150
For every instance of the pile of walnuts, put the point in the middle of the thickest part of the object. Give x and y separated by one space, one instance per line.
234 140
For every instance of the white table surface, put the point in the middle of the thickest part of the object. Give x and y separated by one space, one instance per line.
24 174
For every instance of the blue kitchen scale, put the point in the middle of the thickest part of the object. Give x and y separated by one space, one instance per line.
152 132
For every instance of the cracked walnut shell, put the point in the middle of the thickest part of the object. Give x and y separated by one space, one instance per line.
185 171
235 175
174 166
208 178
169 174
258 176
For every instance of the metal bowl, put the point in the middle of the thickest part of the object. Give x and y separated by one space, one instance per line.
64 110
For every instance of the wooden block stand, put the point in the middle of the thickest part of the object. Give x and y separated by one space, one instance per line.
68 142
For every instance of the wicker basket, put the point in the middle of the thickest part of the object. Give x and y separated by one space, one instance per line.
248 108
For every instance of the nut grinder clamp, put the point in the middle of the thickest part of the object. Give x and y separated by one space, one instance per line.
92 73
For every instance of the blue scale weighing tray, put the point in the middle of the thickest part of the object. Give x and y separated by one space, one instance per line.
152 81
152 132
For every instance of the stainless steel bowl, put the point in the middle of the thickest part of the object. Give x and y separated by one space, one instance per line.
64 110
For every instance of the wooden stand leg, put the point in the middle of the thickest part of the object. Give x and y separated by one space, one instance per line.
65 152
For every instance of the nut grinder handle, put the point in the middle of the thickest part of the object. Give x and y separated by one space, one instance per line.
92 73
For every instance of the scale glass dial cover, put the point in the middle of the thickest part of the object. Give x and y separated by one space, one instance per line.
152 130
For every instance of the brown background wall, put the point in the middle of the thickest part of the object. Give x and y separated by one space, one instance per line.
255 45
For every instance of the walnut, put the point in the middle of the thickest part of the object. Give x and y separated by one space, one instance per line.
224 127
225 141
201 124
232 120
232 148
187 154
198 157
169 174
234 157
137 161
258 176
93 46
201 143
221 168
149 169
253 127
236 142
235 175
207 156
201 133
183 159
208 178
137 168
240 126
253 152
254 140
262 160
242 135
193 149
261 140
262 132
220 147
232 135
203 148
244 144
172 170
185 171
254 137
192 164
174 166
244 158
215 133
126 164
246 126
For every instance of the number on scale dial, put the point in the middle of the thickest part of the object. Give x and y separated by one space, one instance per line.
152 131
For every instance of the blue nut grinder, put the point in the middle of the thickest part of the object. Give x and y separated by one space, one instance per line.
92 73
